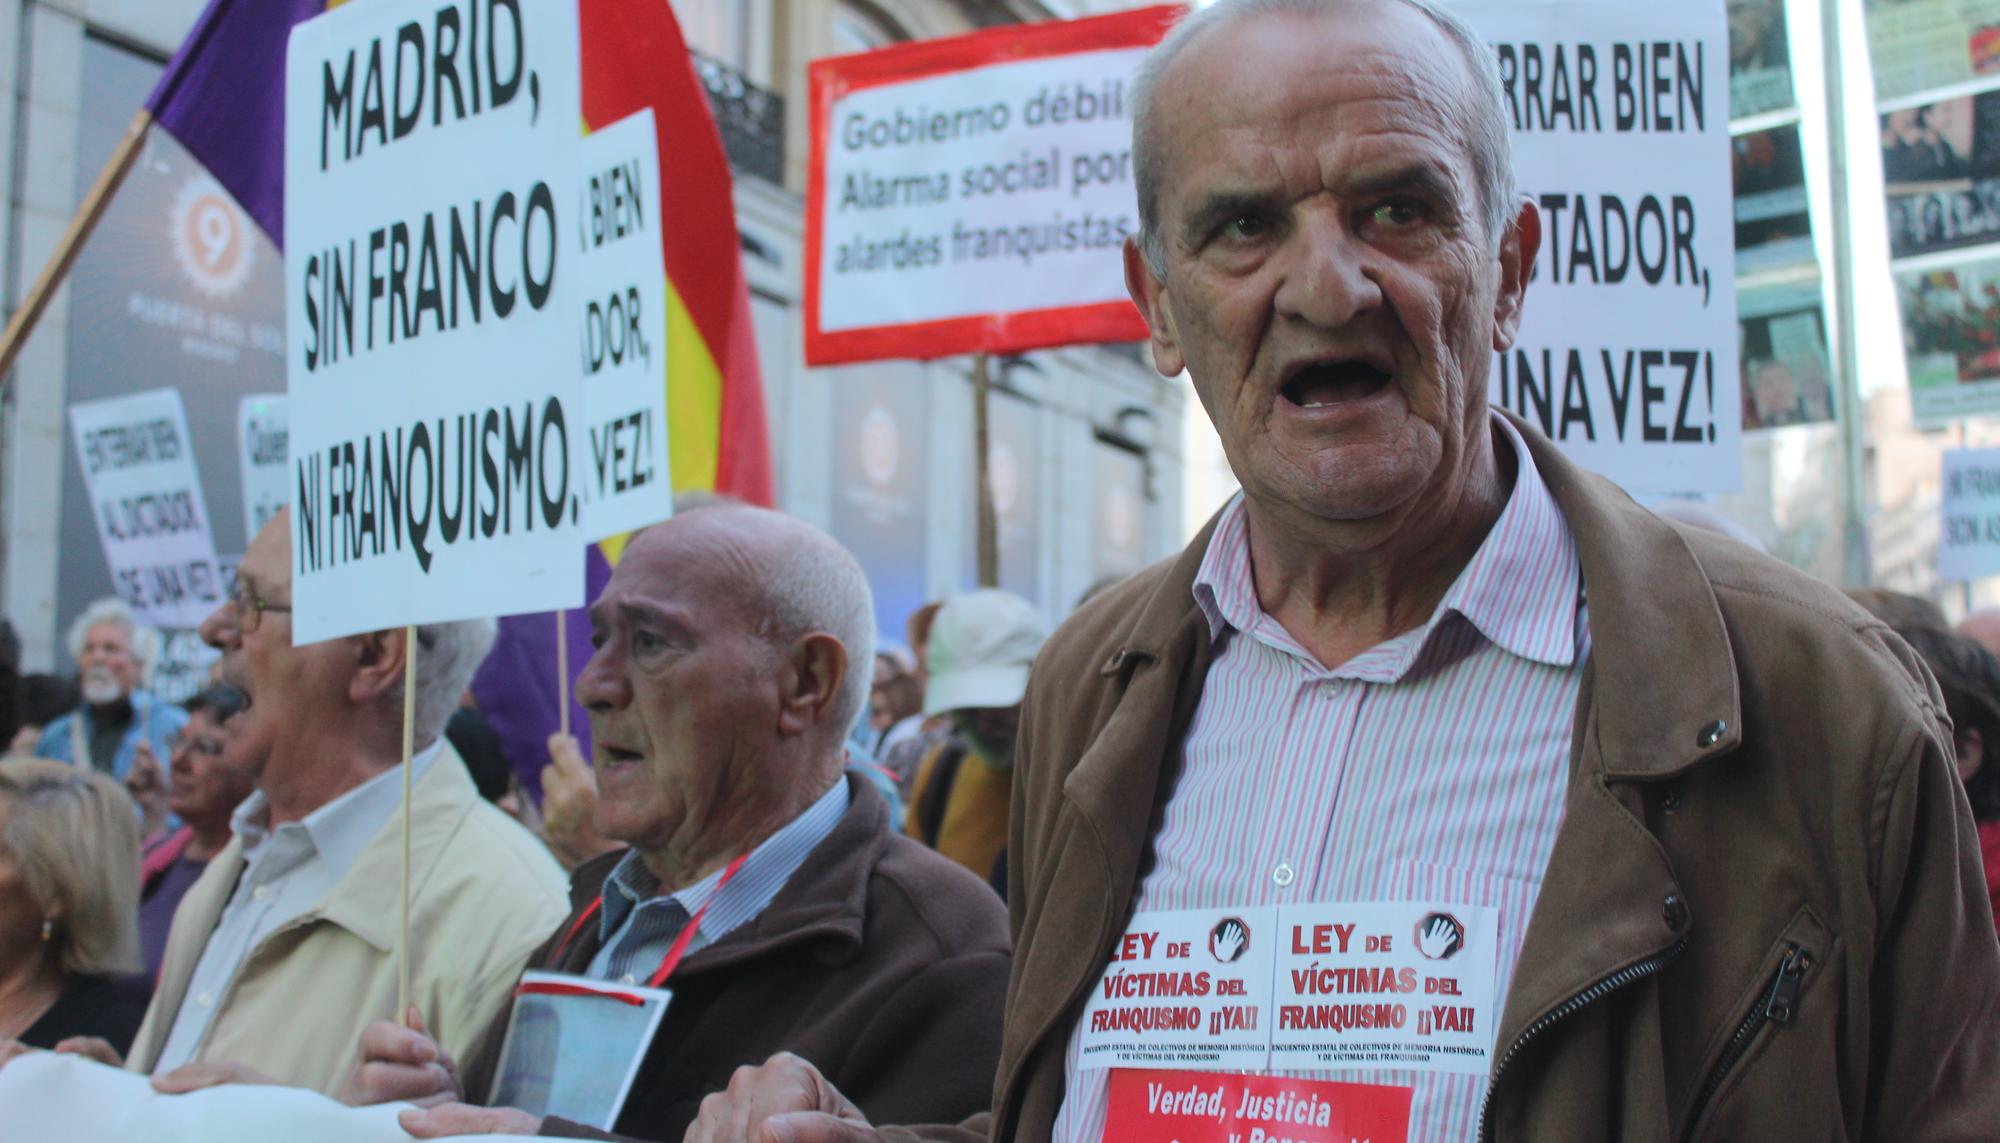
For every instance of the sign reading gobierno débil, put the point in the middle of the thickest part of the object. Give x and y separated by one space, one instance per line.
626 482
1969 543
431 162
146 495
973 194
1627 354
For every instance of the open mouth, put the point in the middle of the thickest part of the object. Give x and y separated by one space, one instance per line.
618 756
1322 384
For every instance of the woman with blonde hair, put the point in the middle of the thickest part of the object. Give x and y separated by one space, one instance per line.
69 906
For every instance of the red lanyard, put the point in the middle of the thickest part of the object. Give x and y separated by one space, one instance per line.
679 948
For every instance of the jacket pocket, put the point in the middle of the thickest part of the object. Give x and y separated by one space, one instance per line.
1774 1007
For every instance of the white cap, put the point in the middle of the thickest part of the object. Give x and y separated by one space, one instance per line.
980 647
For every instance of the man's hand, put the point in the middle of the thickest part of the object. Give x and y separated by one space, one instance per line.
146 781
399 1063
195 1076
569 805
784 1101
464 1119
92 1048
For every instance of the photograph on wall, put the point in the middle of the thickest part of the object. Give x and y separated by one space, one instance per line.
1773 220
1941 164
1919 45
880 477
1760 61
1787 376
1951 337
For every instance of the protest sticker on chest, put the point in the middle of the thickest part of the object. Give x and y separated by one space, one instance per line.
1385 984
1186 989
1147 1106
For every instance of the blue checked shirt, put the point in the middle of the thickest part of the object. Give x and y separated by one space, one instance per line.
638 926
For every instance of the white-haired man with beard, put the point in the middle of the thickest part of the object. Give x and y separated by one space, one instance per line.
287 947
112 650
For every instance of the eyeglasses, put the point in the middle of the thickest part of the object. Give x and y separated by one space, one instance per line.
206 747
250 607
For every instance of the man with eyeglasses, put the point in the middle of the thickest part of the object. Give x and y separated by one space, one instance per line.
285 948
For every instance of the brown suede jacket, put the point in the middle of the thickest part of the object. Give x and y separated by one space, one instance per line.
882 963
1764 918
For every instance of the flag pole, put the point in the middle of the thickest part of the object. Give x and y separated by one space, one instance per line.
987 520
562 670
87 216
409 735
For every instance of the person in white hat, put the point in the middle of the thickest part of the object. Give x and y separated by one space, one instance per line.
981 645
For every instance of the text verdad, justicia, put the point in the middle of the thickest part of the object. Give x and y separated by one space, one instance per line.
443 482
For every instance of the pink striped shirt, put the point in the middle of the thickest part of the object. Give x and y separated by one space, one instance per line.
1432 765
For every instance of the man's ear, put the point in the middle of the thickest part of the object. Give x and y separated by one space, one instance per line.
378 664
811 681
1518 248
1150 295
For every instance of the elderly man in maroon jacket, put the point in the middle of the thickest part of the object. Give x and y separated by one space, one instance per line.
763 888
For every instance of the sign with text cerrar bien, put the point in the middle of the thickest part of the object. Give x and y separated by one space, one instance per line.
1627 354
974 194
431 162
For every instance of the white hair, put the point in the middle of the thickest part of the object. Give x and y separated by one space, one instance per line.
1485 103
113 610
447 656
816 585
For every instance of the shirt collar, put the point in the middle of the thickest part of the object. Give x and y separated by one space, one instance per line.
763 873
1520 589
339 830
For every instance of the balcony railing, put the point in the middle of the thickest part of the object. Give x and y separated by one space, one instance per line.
751 119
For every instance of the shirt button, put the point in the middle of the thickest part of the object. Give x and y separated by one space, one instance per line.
1283 875
626 979
260 892
206 999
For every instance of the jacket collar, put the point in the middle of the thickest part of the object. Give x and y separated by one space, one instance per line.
1662 683
824 903
368 900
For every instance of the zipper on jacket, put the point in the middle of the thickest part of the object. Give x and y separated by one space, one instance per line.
1780 1002
1628 975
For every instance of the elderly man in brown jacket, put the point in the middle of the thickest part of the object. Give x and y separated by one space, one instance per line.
763 888
1698 809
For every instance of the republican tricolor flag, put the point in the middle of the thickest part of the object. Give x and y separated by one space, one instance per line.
222 97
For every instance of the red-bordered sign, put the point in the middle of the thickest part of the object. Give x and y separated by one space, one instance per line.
833 80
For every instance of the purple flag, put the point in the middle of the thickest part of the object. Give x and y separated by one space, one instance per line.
223 97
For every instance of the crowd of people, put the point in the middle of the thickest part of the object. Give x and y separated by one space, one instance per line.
1730 821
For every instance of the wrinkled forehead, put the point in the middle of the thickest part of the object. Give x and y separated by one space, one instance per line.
1315 76
689 565
112 633
267 561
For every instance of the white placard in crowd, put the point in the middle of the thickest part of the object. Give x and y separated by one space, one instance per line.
974 194
1969 543
262 431
1627 355
627 483
431 314
146 495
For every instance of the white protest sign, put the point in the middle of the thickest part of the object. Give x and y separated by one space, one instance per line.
262 432
1386 984
431 155
1627 353
974 194
151 516
627 483
1969 544
1186 989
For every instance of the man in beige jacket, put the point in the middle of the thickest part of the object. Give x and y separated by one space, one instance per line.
286 948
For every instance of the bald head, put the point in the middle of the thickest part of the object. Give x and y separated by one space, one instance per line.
786 578
1983 628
